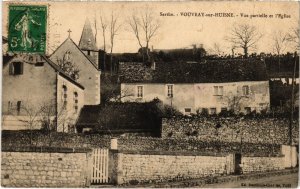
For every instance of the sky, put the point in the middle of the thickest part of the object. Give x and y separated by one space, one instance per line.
175 31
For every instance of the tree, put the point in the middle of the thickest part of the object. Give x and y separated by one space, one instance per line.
103 26
52 117
110 90
68 66
244 36
216 49
33 116
144 24
234 103
114 27
279 44
293 37
29 115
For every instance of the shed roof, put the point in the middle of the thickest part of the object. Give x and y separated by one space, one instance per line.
118 116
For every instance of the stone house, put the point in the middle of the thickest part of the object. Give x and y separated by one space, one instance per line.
36 90
85 58
215 86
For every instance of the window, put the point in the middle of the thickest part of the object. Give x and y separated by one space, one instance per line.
39 64
245 90
140 91
187 111
16 68
64 95
213 110
218 90
76 102
18 107
89 53
247 110
170 91
223 109
9 107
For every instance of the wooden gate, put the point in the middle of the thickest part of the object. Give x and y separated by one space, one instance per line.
100 166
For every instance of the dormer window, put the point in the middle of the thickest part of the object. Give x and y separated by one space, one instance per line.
16 68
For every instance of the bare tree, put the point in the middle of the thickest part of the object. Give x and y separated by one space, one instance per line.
96 29
51 117
216 49
293 37
114 27
68 66
279 44
103 28
29 115
144 27
33 116
234 102
244 36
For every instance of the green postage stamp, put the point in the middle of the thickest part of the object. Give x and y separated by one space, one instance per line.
27 28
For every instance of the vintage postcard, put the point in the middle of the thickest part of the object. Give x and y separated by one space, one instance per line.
150 94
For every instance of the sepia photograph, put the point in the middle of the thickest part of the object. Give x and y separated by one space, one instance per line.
150 94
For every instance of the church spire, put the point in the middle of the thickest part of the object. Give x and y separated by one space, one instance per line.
87 40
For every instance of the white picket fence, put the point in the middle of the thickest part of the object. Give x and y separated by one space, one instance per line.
100 166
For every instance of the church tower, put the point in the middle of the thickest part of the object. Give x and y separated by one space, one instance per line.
87 43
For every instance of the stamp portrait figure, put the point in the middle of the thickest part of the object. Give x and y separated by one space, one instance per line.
27 28
23 25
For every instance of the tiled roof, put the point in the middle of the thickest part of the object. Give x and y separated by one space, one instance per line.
213 71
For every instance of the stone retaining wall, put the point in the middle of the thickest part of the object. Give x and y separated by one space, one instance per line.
230 129
262 164
142 167
17 140
33 169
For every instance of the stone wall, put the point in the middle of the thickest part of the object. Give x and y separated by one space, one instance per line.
151 167
33 169
139 168
262 164
230 129
12 140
